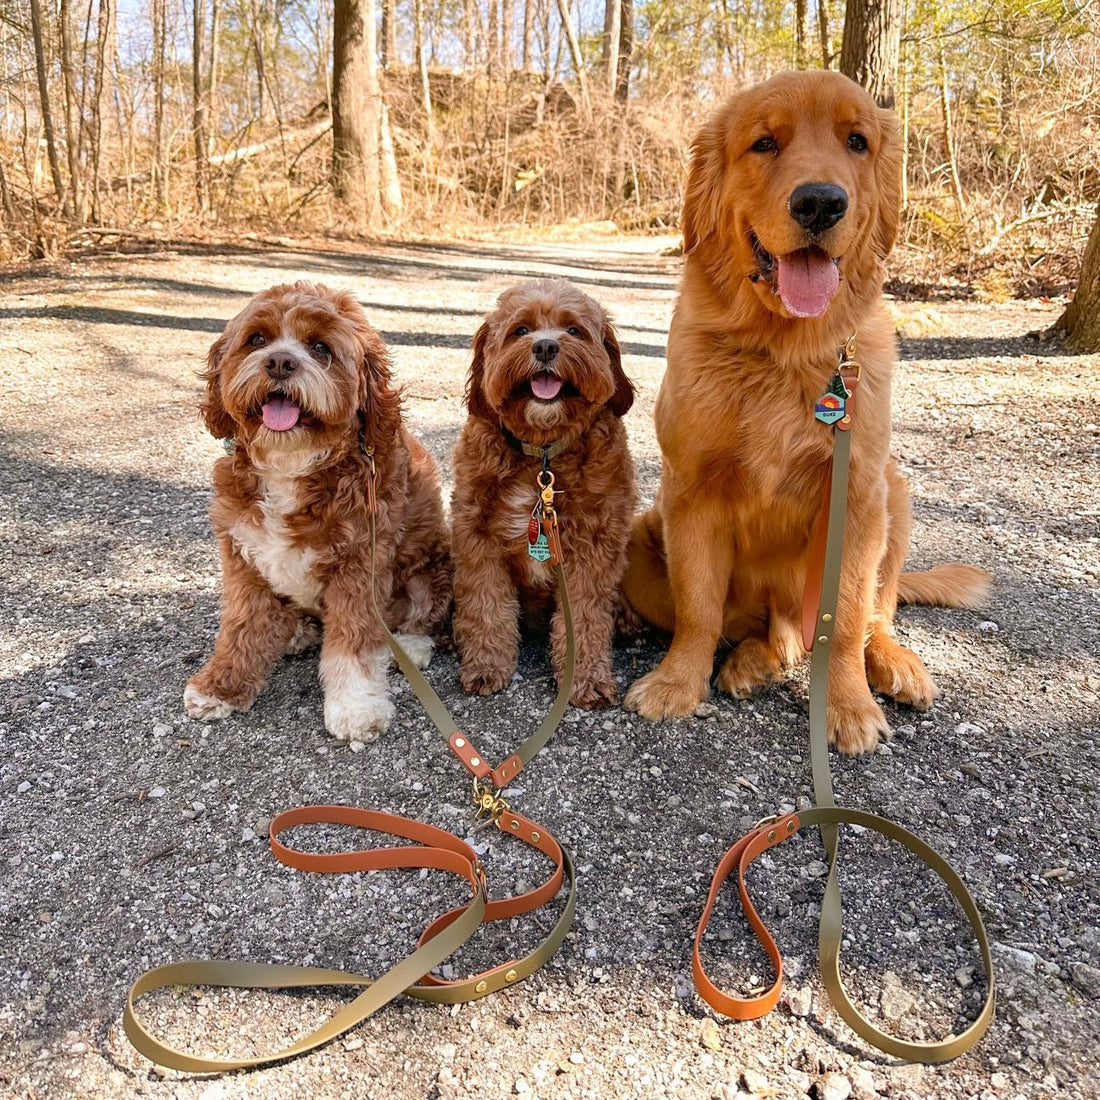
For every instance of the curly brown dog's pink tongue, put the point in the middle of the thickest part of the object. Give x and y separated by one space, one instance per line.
808 279
546 386
280 413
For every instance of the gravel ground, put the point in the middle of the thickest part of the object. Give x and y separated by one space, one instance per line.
133 837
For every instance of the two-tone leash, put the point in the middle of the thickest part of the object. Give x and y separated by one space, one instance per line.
837 408
432 848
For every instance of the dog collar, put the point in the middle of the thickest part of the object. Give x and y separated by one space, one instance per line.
547 453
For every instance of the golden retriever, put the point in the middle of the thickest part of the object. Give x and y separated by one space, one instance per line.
792 205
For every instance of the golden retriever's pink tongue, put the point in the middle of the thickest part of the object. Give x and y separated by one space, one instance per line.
280 413
808 279
546 386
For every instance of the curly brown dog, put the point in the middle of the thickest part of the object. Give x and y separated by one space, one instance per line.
300 382
546 373
792 205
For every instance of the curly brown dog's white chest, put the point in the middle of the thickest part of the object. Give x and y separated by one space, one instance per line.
265 542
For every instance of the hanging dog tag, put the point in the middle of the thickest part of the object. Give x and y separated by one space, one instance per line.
831 405
540 548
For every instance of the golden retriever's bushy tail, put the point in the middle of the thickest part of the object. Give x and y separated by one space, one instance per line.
948 585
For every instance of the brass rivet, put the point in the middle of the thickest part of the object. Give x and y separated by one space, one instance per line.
475 760
824 640
536 836
460 742
826 618
790 826
771 835
846 420
511 976
515 826
481 987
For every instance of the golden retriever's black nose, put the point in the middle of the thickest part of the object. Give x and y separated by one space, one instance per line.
818 206
545 350
281 366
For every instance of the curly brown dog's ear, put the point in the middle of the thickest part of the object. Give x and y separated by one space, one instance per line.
476 402
378 401
703 196
218 422
623 397
888 166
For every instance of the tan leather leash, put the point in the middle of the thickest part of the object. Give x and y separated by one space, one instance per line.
433 848
819 619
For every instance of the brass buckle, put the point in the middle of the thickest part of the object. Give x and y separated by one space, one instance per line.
765 821
847 358
490 804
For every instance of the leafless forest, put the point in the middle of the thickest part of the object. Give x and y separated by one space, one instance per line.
202 117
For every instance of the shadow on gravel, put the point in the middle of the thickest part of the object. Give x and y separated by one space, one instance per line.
978 347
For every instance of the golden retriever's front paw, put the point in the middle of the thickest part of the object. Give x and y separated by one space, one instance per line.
663 694
477 680
591 694
899 672
751 665
855 724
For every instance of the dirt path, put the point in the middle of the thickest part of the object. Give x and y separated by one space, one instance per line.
129 835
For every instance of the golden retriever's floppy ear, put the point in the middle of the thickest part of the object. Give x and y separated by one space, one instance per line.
888 167
623 397
476 401
378 401
703 196
218 422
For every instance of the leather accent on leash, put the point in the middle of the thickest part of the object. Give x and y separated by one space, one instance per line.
818 624
433 848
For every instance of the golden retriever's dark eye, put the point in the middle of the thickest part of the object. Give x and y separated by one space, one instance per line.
523 330
320 349
573 331
257 340
765 145
857 143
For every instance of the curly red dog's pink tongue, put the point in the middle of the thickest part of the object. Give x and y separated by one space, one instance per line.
546 386
808 279
280 413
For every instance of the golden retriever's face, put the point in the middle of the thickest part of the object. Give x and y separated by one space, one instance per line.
294 369
792 182
546 361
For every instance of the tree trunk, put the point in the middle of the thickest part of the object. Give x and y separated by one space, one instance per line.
160 155
198 105
392 202
626 50
212 89
801 32
1081 320
72 117
575 54
869 49
47 116
104 27
528 25
389 34
422 68
949 139
356 110
506 37
823 33
609 52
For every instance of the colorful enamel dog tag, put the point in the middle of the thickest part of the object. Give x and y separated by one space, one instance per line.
831 404
540 548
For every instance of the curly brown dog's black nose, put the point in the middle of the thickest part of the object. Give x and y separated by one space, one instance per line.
545 350
281 366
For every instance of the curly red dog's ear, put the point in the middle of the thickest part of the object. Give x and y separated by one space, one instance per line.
623 397
476 401
888 168
218 422
703 196
379 401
